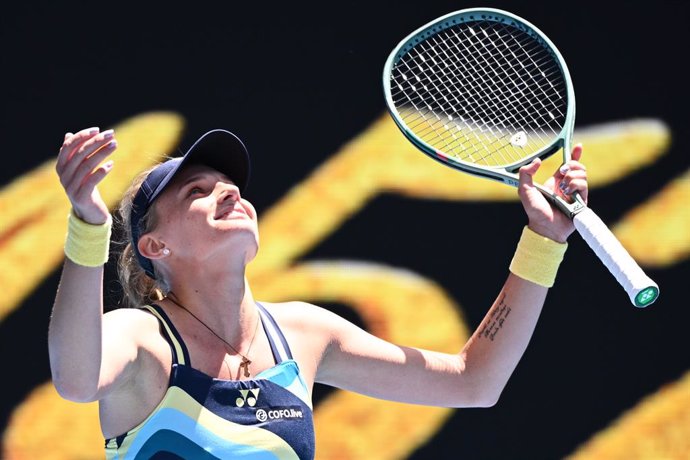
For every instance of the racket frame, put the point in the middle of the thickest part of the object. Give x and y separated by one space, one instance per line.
506 174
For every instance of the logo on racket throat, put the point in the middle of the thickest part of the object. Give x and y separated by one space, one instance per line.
519 139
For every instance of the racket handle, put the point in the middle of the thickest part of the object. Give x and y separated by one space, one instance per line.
640 288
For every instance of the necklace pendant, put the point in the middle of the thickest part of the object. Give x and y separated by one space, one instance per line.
245 364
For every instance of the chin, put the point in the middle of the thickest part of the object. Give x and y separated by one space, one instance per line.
252 248
249 244
250 256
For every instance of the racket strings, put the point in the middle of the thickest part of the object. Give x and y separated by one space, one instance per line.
483 92
509 110
502 111
485 83
423 109
468 100
509 72
448 135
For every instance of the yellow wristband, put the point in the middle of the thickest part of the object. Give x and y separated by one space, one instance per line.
87 244
537 258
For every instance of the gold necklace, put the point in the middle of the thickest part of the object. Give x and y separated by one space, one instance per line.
245 361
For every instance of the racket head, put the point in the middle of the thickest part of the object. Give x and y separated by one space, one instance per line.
440 79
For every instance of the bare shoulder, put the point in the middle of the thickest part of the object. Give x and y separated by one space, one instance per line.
308 329
138 328
303 317
128 314
130 320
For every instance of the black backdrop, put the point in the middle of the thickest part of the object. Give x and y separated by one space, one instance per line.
308 77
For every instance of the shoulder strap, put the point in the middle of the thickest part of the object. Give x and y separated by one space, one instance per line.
279 346
179 349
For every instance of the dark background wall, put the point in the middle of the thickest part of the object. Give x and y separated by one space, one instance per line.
297 82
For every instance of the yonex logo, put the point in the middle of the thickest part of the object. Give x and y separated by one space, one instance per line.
248 397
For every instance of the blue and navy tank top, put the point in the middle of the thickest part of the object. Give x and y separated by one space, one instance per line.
201 417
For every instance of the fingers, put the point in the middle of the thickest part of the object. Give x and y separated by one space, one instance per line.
71 142
80 154
527 172
78 146
576 154
83 192
88 163
572 176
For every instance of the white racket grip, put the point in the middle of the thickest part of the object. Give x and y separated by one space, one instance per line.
640 288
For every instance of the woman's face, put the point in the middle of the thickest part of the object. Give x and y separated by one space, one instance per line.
202 215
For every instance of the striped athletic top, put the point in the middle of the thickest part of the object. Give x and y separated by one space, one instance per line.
201 417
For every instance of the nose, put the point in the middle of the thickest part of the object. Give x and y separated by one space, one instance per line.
228 192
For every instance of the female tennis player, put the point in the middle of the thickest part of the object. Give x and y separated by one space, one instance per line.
200 369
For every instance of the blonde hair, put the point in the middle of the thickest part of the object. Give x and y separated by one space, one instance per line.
138 287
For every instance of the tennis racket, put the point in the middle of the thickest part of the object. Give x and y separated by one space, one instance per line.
486 92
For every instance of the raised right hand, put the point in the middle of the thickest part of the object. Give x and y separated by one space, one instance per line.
76 167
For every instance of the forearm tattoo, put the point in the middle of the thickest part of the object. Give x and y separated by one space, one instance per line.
495 319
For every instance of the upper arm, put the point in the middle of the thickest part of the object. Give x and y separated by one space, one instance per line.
358 361
353 359
124 336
